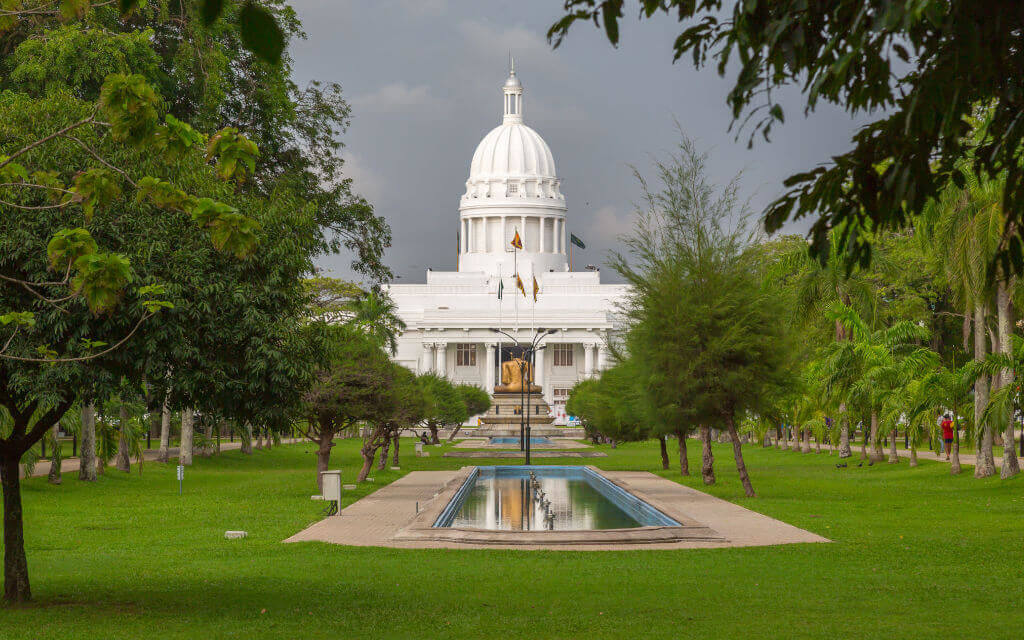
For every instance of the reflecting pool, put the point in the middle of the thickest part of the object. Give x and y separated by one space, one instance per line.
515 440
558 498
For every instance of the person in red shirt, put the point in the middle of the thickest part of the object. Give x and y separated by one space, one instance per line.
947 433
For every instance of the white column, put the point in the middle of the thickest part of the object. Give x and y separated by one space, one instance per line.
588 361
483 247
427 357
601 354
489 383
543 233
522 232
440 360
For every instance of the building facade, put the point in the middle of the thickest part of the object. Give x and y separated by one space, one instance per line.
513 188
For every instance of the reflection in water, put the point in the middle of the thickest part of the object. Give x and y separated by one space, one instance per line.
506 501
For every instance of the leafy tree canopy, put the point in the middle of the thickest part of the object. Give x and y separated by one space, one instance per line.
922 68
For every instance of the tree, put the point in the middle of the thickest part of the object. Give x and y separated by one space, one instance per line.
476 400
374 312
901 62
351 386
128 248
445 406
701 313
408 404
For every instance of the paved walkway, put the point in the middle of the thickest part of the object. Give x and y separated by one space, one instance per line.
377 519
72 465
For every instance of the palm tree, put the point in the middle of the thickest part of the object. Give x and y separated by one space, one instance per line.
377 314
871 364
965 227
1006 401
818 286
944 390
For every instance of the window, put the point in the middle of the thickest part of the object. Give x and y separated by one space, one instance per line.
465 355
513 188
560 396
563 355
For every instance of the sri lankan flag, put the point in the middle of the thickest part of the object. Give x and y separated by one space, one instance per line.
519 285
536 288
518 244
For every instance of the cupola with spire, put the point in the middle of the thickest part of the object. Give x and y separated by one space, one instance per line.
512 187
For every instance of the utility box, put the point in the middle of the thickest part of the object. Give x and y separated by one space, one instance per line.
331 481
419 449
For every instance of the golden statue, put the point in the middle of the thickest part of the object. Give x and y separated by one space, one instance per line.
512 377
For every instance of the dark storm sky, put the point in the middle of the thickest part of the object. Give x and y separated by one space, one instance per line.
424 78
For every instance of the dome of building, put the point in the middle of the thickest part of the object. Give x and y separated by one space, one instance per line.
512 150
512 161
512 191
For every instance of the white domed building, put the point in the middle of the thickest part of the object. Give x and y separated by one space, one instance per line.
512 188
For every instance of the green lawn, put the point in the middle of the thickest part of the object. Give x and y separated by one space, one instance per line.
917 553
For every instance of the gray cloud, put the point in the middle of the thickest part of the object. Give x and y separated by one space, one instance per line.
424 81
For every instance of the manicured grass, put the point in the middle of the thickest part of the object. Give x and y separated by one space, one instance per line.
916 553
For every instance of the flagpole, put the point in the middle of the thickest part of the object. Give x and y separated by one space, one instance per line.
515 263
501 303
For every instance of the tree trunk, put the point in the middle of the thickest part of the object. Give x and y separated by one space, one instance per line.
1004 307
817 444
707 470
785 437
323 455
187 424
778 438
876 447
367 451
913 454
806 448
737 453
894 454
383 460
55 457
985 465
87 452
664 451
16 588
259 437
164 453
124 463
207 449
954 456
433 433
684 460
269 442
844 433
394 448
246 438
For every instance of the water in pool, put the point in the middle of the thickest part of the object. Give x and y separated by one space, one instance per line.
507 498
515 440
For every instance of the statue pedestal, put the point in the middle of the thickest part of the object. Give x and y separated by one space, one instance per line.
504 416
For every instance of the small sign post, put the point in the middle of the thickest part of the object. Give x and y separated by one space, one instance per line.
181 476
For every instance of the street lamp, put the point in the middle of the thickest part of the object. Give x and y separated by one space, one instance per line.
527 350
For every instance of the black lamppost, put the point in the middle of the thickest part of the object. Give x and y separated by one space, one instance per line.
527 351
